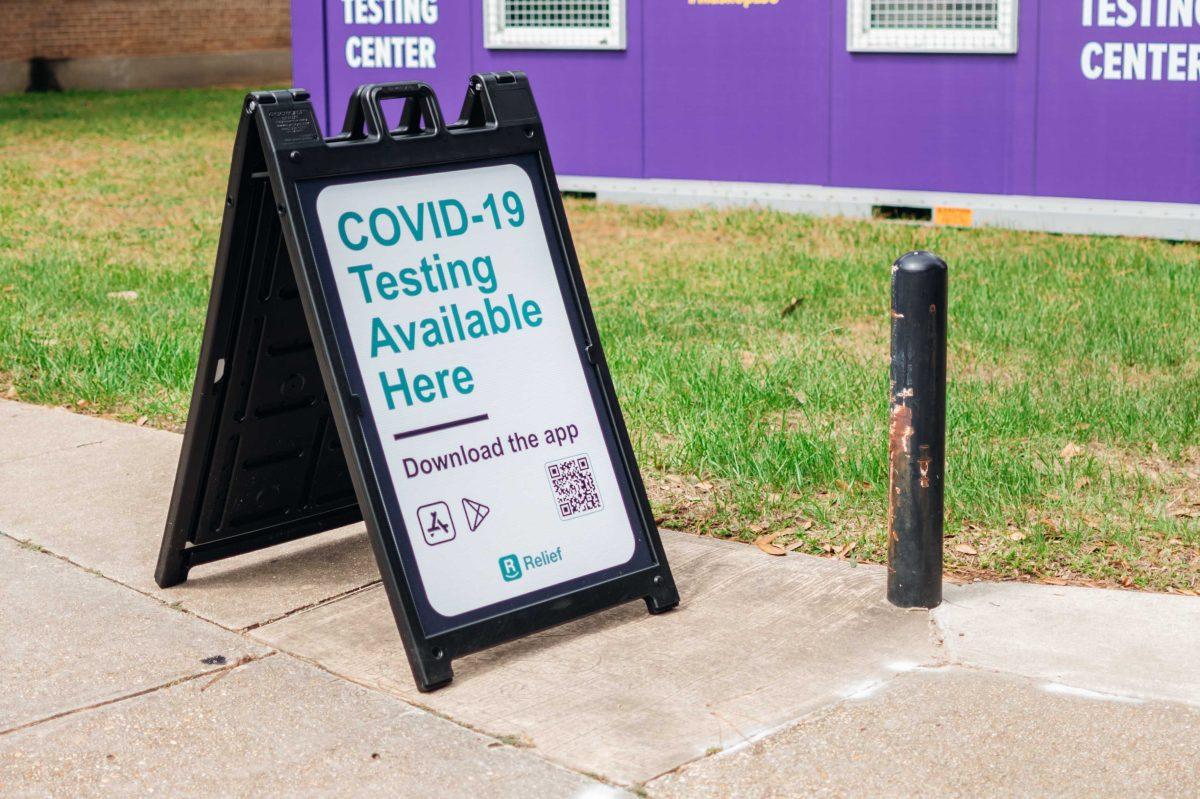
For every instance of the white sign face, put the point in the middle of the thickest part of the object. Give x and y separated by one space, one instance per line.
474 379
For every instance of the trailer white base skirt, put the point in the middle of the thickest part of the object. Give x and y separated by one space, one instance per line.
1175 221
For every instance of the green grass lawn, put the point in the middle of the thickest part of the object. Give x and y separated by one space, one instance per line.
1074 404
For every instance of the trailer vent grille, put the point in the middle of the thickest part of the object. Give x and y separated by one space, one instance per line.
933 26
943 14
554 24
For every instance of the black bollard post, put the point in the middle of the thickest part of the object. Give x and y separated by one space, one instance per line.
917 439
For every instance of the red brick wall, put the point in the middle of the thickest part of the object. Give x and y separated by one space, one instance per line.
97 28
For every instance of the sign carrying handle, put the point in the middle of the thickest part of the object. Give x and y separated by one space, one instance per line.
353 128
365 119
421 105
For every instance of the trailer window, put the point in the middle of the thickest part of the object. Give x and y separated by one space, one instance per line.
554 24
932 26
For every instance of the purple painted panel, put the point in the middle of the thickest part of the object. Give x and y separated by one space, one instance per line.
364 46
768 92
941 122
1111 124
308 52
590 101
737 93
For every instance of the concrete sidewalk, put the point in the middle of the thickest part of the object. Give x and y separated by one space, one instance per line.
281 672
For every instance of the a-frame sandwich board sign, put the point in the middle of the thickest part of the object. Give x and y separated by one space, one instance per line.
398 331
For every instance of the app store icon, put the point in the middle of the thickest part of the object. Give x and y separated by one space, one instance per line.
437 525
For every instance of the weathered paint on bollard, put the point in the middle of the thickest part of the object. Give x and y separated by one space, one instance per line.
917 438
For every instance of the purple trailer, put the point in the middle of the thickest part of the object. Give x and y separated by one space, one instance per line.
1066 115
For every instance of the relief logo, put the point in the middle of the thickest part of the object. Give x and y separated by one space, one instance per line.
510 568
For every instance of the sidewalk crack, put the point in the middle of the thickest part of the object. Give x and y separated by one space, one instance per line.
54 451
310 606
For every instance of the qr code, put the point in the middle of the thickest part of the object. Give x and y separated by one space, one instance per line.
574 486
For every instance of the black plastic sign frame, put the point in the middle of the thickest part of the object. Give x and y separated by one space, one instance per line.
281 442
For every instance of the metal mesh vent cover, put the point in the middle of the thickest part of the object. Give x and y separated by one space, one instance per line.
554 24
932 26
557 13
940 14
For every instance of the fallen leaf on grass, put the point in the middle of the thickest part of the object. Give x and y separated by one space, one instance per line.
767 544
966 549
1016 536
847 549
141 421
792 547
82 403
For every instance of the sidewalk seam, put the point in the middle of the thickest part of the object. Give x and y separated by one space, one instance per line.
829 706
938 660
218 672
416 707
247 634
29 543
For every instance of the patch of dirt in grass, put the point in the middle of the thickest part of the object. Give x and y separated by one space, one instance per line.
1136 527
750 359
1148 377
1164 566
1178 481
771 347
799 421
1060 547
1149 464
704 507
682 503
598 230
962 364
866 340
1128 546
111 203
824 238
